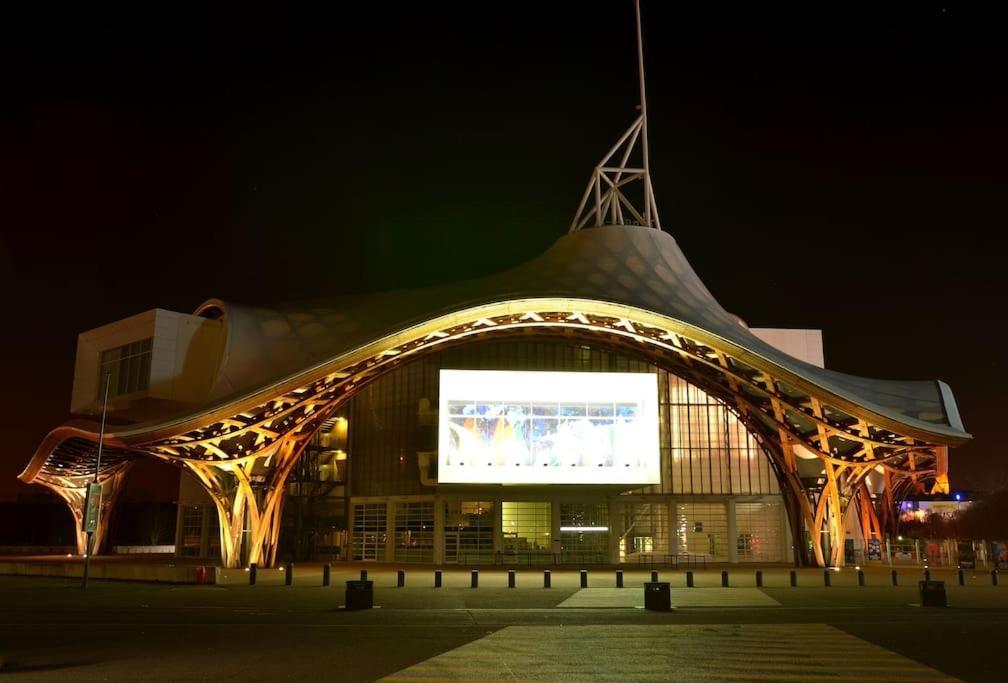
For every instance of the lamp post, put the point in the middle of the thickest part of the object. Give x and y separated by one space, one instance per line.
92 503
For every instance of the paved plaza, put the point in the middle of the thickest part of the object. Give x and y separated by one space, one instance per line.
51 630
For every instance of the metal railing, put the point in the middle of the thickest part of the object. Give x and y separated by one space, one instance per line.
685 560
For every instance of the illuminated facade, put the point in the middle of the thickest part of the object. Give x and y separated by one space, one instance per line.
765 455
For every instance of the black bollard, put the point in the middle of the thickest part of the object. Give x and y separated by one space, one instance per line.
437 578
794 579
584 578
326 574
400 578
474 579
994 578
724 578
895 579
689 579
511 578
962 578
547 579
363 574
289 574
252 573
860 577
759 578
927 574
619 578
654 576
826 578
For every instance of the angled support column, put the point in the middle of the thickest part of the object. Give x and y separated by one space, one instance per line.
74 492
798 503
828 517
249 495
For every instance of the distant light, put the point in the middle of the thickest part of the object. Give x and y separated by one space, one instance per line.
958 497
69 555
899 538
858 568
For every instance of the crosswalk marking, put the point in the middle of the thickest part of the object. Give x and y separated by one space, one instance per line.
663 652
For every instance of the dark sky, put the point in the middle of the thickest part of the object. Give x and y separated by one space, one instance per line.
837 168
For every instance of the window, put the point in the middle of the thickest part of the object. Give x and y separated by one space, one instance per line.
760 528
369 531
703 529
127 368
192 530
414 532
584 532
468 533
711 452
527 529
645 529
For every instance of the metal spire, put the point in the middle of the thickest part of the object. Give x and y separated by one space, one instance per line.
605 201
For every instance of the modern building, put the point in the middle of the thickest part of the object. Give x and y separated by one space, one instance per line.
595 404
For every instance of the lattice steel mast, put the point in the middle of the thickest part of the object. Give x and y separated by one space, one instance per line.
605 201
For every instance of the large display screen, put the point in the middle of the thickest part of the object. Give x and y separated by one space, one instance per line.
503 427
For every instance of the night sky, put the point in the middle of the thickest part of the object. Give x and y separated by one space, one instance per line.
838 169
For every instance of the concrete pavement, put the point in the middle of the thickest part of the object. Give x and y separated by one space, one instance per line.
51 630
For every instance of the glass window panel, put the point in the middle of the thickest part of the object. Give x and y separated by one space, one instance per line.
527 530
644 532
414 532
760 528
468 532
127 367
584 533
369 532
702 529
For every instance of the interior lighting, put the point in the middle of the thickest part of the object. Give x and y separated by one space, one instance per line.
584 528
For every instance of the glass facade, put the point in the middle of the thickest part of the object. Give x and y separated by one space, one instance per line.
702 529
127 368
710 450
711 468
644 531
192 530
584 533
369 531
528 531
469 532
414 532
760 532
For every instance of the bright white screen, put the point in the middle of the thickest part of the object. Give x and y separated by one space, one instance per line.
503 427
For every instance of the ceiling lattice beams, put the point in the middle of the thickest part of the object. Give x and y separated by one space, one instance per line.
244 434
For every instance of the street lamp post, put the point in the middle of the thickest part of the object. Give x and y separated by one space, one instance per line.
92 503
